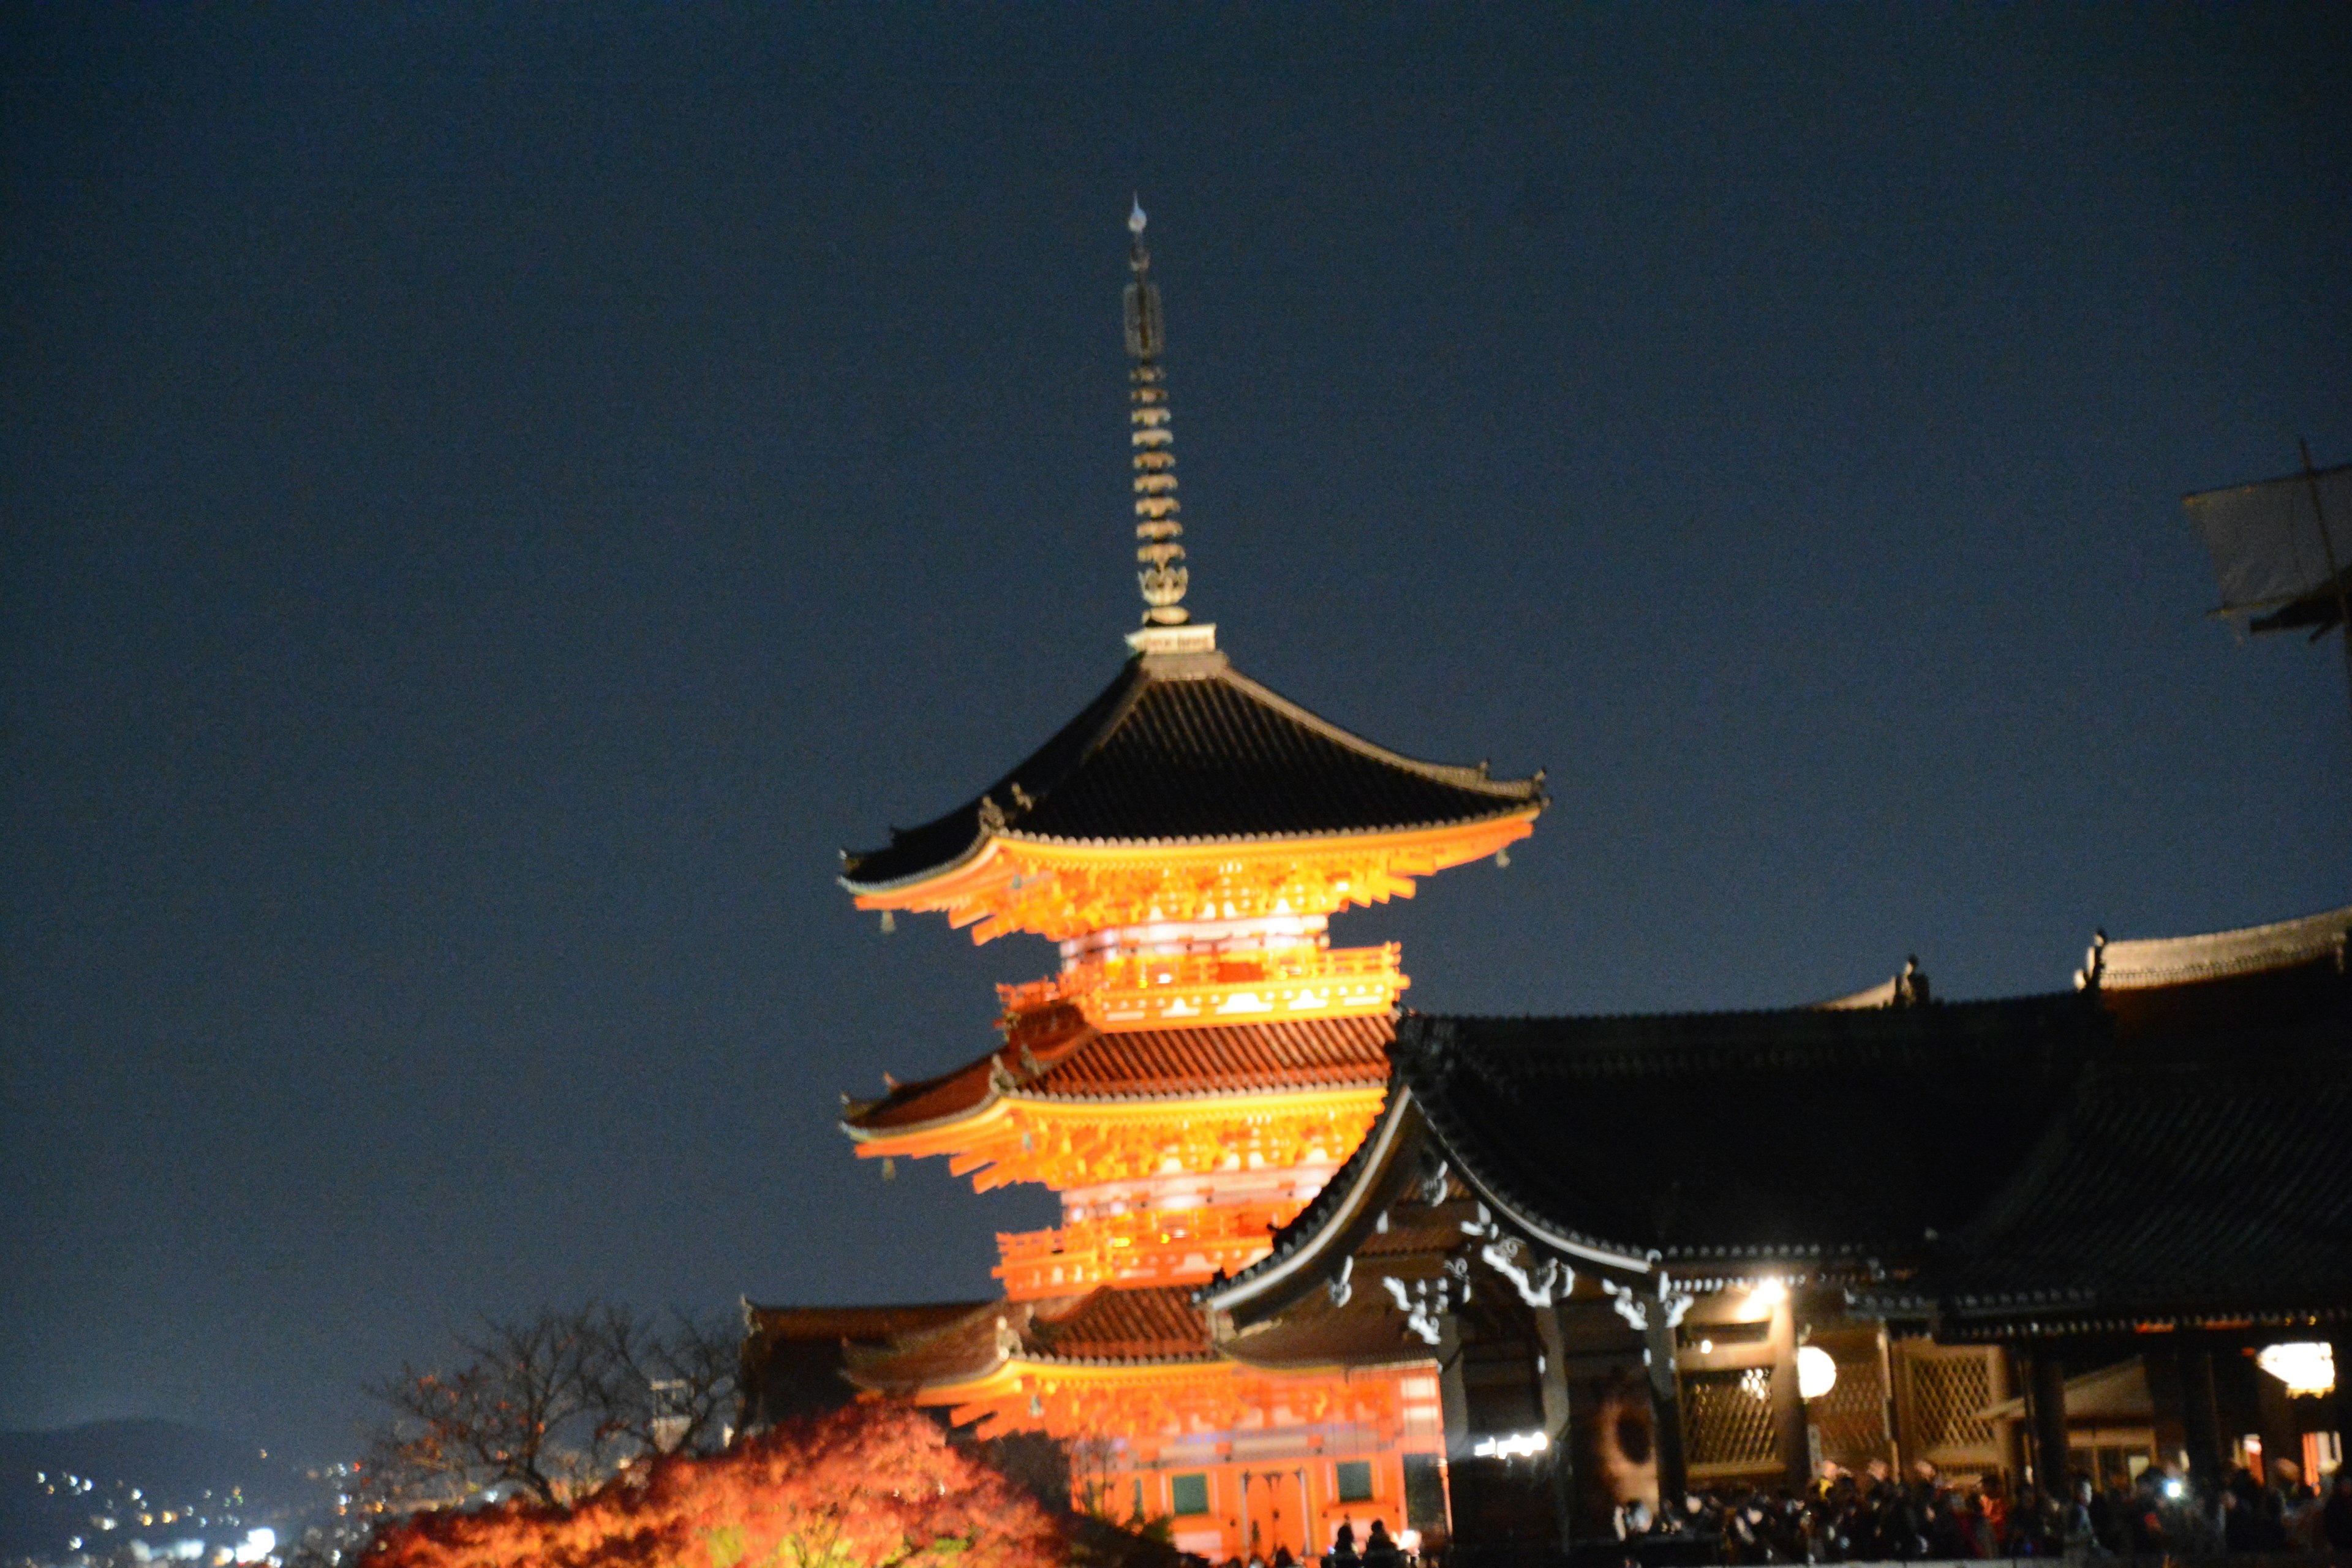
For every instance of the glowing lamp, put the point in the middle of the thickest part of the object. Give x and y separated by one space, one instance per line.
1769 1292
1816 1370
2306 1366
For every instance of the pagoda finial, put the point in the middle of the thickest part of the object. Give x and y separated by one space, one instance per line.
1162 578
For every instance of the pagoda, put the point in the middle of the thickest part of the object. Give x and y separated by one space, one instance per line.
1190 1075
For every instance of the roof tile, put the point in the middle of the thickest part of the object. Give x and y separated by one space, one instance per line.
1187 748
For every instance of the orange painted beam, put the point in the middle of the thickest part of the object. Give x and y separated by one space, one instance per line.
1060 890
1069 1143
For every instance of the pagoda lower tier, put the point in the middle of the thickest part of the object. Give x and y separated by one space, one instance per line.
1158 1422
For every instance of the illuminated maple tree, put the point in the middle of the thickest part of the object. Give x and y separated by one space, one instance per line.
873 1485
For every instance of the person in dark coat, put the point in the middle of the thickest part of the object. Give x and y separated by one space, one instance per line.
2336 1519
1380 1551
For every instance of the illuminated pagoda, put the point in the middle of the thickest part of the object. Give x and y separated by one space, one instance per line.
1196 1069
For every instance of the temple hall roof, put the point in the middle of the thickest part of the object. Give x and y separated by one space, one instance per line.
1060 1055
1182 748
1799 1135
2190 1175
2163 1154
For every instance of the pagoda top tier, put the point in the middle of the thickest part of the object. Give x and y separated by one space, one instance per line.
1187 791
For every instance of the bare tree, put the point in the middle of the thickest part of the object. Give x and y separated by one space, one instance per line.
551 1404
665 1389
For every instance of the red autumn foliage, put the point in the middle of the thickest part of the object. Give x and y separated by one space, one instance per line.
870 1486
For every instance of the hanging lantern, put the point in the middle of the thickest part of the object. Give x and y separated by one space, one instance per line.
2306 1366
1816 1370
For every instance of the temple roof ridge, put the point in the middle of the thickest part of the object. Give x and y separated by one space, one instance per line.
2146 962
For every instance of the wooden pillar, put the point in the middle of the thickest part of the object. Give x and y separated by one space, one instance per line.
2198 1415
1666 1407
2046 1402
1452 1393
1559 1430
1789 1434
1887 1402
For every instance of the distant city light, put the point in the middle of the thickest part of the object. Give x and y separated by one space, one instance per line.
1816 1370
2306 1366
257 1544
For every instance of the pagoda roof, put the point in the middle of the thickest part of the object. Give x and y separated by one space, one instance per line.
1184 749
1154 1326
1056 1055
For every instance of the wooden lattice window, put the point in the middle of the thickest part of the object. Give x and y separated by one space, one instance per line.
1946 1389
1728 1425
1852 1417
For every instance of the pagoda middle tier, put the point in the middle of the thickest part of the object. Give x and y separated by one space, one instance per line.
1203 1059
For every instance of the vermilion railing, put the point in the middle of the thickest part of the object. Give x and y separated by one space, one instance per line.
1146 1247
1175 990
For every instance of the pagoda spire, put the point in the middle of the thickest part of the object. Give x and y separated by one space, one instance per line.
1162 576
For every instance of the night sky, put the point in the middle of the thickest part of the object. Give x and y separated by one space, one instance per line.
492 502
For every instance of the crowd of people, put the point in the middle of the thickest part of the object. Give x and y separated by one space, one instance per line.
1846 1517
1873 1516
1380 1550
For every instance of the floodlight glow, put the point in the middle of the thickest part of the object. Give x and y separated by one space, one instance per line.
1515 1446
257 1544
2306 1366
1769 1292
2173 1488
1816 1370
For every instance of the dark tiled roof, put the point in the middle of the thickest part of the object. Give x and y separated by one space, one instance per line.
2202 1172
2319 939
1186 748
1151 1324
1072 1060
2023 1165
1798 1135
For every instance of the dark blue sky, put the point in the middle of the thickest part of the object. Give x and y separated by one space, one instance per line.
491 503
